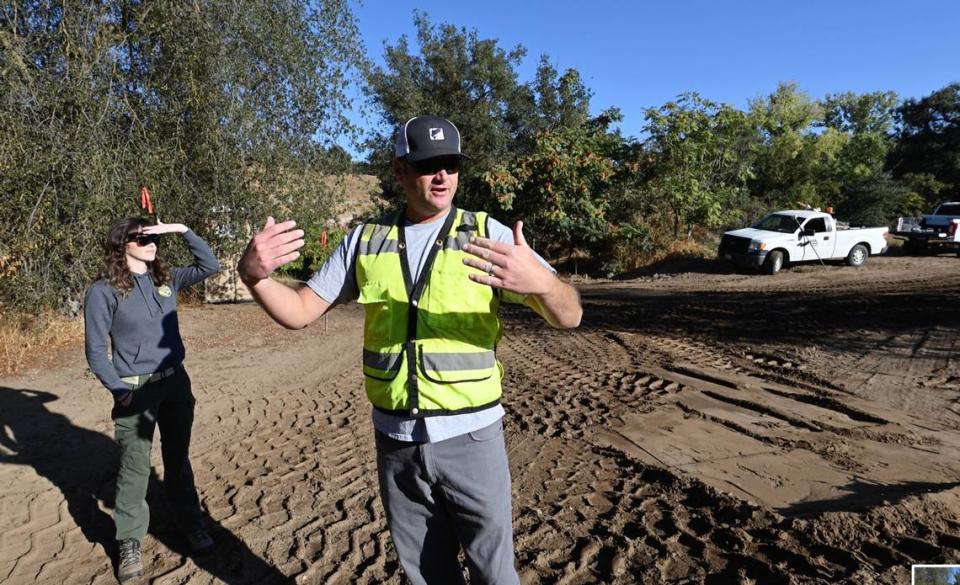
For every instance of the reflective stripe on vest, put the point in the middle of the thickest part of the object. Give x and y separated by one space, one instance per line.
429 347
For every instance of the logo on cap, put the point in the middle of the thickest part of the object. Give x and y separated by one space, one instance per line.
436 134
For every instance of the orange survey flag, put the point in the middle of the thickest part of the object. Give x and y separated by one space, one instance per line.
145 202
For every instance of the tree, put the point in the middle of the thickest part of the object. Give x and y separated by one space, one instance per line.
873 199
856 182
472 82
461 77
562 101
561 187
791 154
868 122
700 153
858 114
927 151
223 110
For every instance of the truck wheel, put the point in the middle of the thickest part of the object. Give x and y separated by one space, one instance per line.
773 262
858 256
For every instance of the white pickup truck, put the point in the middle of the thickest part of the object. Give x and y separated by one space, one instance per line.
800 236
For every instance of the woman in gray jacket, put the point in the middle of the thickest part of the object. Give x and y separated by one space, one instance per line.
134 306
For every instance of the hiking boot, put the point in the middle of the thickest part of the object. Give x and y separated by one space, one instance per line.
131 565
199 540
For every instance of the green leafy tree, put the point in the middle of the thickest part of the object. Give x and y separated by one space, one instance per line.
700 161
315 251
457 75
927 152
867 120
561 187
562 101
923 190
856 183
873 199
791 155
858 114
224 110
473 82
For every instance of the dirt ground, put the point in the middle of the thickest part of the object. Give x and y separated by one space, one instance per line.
700 427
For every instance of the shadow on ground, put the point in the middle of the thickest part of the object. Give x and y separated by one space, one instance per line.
82 464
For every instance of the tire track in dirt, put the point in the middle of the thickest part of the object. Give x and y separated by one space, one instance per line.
588 515
36 547
283 448
548 384
283 457
923 359
301 484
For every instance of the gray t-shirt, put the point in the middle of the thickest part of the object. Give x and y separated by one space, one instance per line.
336 283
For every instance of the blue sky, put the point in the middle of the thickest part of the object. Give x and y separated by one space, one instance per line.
636 55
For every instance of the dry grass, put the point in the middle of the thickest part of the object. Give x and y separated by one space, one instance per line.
681 249
25 340
670 252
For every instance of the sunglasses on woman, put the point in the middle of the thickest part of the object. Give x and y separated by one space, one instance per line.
144 239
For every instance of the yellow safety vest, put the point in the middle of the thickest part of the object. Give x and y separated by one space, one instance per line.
429 346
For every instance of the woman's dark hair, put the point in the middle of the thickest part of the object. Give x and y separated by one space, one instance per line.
115 270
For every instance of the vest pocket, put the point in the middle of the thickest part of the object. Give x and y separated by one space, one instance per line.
455 368
451 300
375 298
382 366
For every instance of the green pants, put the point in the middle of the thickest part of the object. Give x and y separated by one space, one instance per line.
167 403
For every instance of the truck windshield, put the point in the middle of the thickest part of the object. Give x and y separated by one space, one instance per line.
777 222
948 209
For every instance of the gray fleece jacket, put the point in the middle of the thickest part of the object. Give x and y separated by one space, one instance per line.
141 326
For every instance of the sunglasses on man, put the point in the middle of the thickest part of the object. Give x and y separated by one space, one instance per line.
144 239
432 166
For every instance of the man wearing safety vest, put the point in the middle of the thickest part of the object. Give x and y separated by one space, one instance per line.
431 279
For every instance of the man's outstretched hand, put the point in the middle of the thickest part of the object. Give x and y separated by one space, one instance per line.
271 248
511 267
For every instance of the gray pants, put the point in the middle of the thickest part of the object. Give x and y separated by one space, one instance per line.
442 496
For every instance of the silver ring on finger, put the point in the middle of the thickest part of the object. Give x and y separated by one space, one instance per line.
490 268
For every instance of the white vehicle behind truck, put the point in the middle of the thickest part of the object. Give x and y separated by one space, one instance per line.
793 236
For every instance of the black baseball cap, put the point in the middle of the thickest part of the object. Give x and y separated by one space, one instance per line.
426 137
